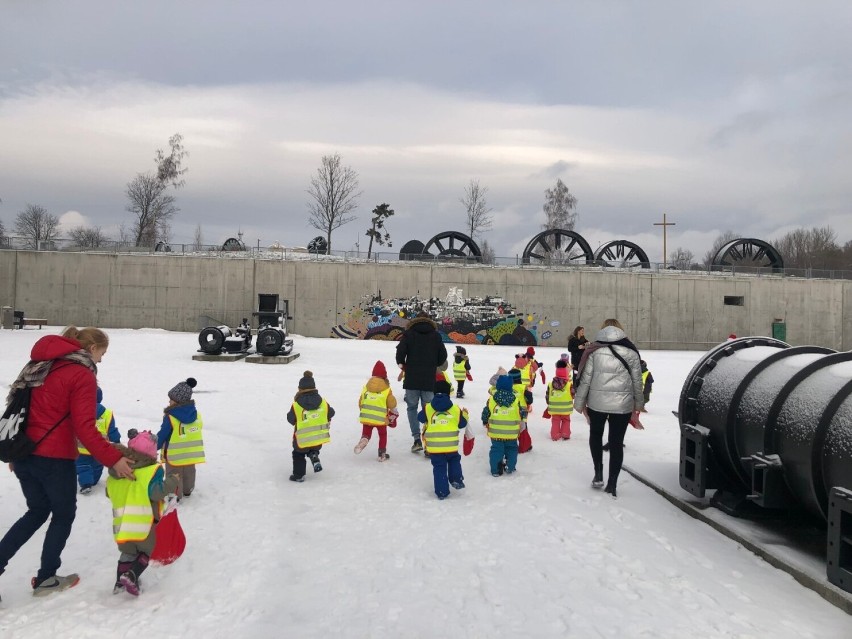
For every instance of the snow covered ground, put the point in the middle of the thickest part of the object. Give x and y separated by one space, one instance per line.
364 549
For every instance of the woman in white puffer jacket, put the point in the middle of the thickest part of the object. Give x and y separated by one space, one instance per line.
609 390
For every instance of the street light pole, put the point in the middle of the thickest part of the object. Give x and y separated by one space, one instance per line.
664 224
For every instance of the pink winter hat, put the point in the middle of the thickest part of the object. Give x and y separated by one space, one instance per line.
145 442
520 362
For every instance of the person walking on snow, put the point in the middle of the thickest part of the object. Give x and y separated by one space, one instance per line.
419 354
560 402
136 508
311 416
180 435
89 469
377 407
442 421
461 370
503 417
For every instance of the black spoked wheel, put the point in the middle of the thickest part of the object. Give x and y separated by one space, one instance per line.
622 254
558 246
269 341
749 252
233 244
453 245
211 340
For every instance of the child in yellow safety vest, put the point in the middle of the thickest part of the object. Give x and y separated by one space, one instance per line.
560 402
137 507
311 415
180 435
503 417
377 407
442 421
461 370
89 469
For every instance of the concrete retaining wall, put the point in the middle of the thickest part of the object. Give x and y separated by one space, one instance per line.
659 310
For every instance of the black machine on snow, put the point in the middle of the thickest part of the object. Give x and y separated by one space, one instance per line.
272 315
272 337
215 340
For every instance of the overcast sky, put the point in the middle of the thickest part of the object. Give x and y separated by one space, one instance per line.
723 115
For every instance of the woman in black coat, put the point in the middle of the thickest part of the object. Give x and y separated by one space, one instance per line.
419 354
576 345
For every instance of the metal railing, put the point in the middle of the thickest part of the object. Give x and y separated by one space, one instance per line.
281 253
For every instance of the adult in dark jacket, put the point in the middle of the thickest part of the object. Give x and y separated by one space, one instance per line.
610 390
62 374
419 354
576 345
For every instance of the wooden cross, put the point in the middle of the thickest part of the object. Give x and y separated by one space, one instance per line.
664 224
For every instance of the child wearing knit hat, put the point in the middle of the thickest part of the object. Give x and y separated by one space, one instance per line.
503 417
442 423
461 370
311 417
377 407
180 435
560 402
136 508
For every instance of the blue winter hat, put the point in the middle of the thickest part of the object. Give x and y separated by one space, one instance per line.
504 382
100 395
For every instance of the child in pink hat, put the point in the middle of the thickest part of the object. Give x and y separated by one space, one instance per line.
560 402
136 507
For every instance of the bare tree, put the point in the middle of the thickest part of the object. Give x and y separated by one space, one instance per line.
718 243
88 237
147 194
681 259
810 248
334 193
36 226
476 208
198 240
380 215
488 256
151 206
123 235
3 240
560 208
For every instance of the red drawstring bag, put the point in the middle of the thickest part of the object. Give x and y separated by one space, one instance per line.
171 541
467 446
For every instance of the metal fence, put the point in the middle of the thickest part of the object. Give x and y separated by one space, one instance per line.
281 253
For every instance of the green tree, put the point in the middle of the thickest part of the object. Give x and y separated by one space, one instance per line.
377 232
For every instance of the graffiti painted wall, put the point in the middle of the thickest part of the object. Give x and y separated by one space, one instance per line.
460 320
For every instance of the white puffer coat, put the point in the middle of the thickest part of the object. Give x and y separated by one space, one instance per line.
605 384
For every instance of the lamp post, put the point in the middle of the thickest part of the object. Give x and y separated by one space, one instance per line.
664 224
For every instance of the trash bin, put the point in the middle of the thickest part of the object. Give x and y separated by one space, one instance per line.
779 331
7 320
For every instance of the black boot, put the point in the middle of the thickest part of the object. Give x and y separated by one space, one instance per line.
610 488
314 457
597 480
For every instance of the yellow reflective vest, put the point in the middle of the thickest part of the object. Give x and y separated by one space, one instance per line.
559 402
186 446
132 512
449 381
459 371
441 434
311 425
645 378
519 390
505 421
102 424
525 374
374 407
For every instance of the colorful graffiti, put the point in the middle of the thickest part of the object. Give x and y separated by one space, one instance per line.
460 320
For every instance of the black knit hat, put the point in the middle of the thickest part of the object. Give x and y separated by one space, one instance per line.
460 350
443 387
561 364
181 393
307 381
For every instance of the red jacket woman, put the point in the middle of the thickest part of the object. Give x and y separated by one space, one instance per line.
62 375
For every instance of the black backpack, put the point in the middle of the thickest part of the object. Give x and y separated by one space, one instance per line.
14 442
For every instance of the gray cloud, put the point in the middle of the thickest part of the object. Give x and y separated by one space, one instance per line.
707 112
